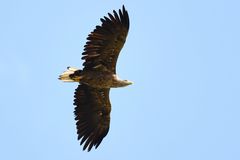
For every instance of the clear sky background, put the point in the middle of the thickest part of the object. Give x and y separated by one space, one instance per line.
183 55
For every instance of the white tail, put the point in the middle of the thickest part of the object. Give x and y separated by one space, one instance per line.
65 76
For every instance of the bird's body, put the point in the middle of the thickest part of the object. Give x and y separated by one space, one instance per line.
92 102
94 78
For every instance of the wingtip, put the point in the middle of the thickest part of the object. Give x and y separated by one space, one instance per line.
123 7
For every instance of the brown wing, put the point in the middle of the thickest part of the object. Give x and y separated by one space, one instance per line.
106 41
92 113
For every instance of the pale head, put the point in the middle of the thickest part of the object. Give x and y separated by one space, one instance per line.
117 82
122 83
127 82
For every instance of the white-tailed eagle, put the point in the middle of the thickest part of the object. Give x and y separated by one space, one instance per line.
98 75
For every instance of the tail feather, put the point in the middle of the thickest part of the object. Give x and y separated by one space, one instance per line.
70 75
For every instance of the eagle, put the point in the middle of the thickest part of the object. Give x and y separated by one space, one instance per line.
91 98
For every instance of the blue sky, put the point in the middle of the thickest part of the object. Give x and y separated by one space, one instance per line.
183 56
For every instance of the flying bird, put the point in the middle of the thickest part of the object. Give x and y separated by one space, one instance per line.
93 107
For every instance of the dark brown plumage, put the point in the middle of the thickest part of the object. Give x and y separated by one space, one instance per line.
106 41
100 55
92 115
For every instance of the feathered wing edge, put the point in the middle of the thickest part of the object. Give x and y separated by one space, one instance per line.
106 41
92 113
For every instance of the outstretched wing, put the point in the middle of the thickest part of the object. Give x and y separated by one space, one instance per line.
92 113
106 41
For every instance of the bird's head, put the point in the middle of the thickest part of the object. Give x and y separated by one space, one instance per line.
124 83
127 82
121 83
